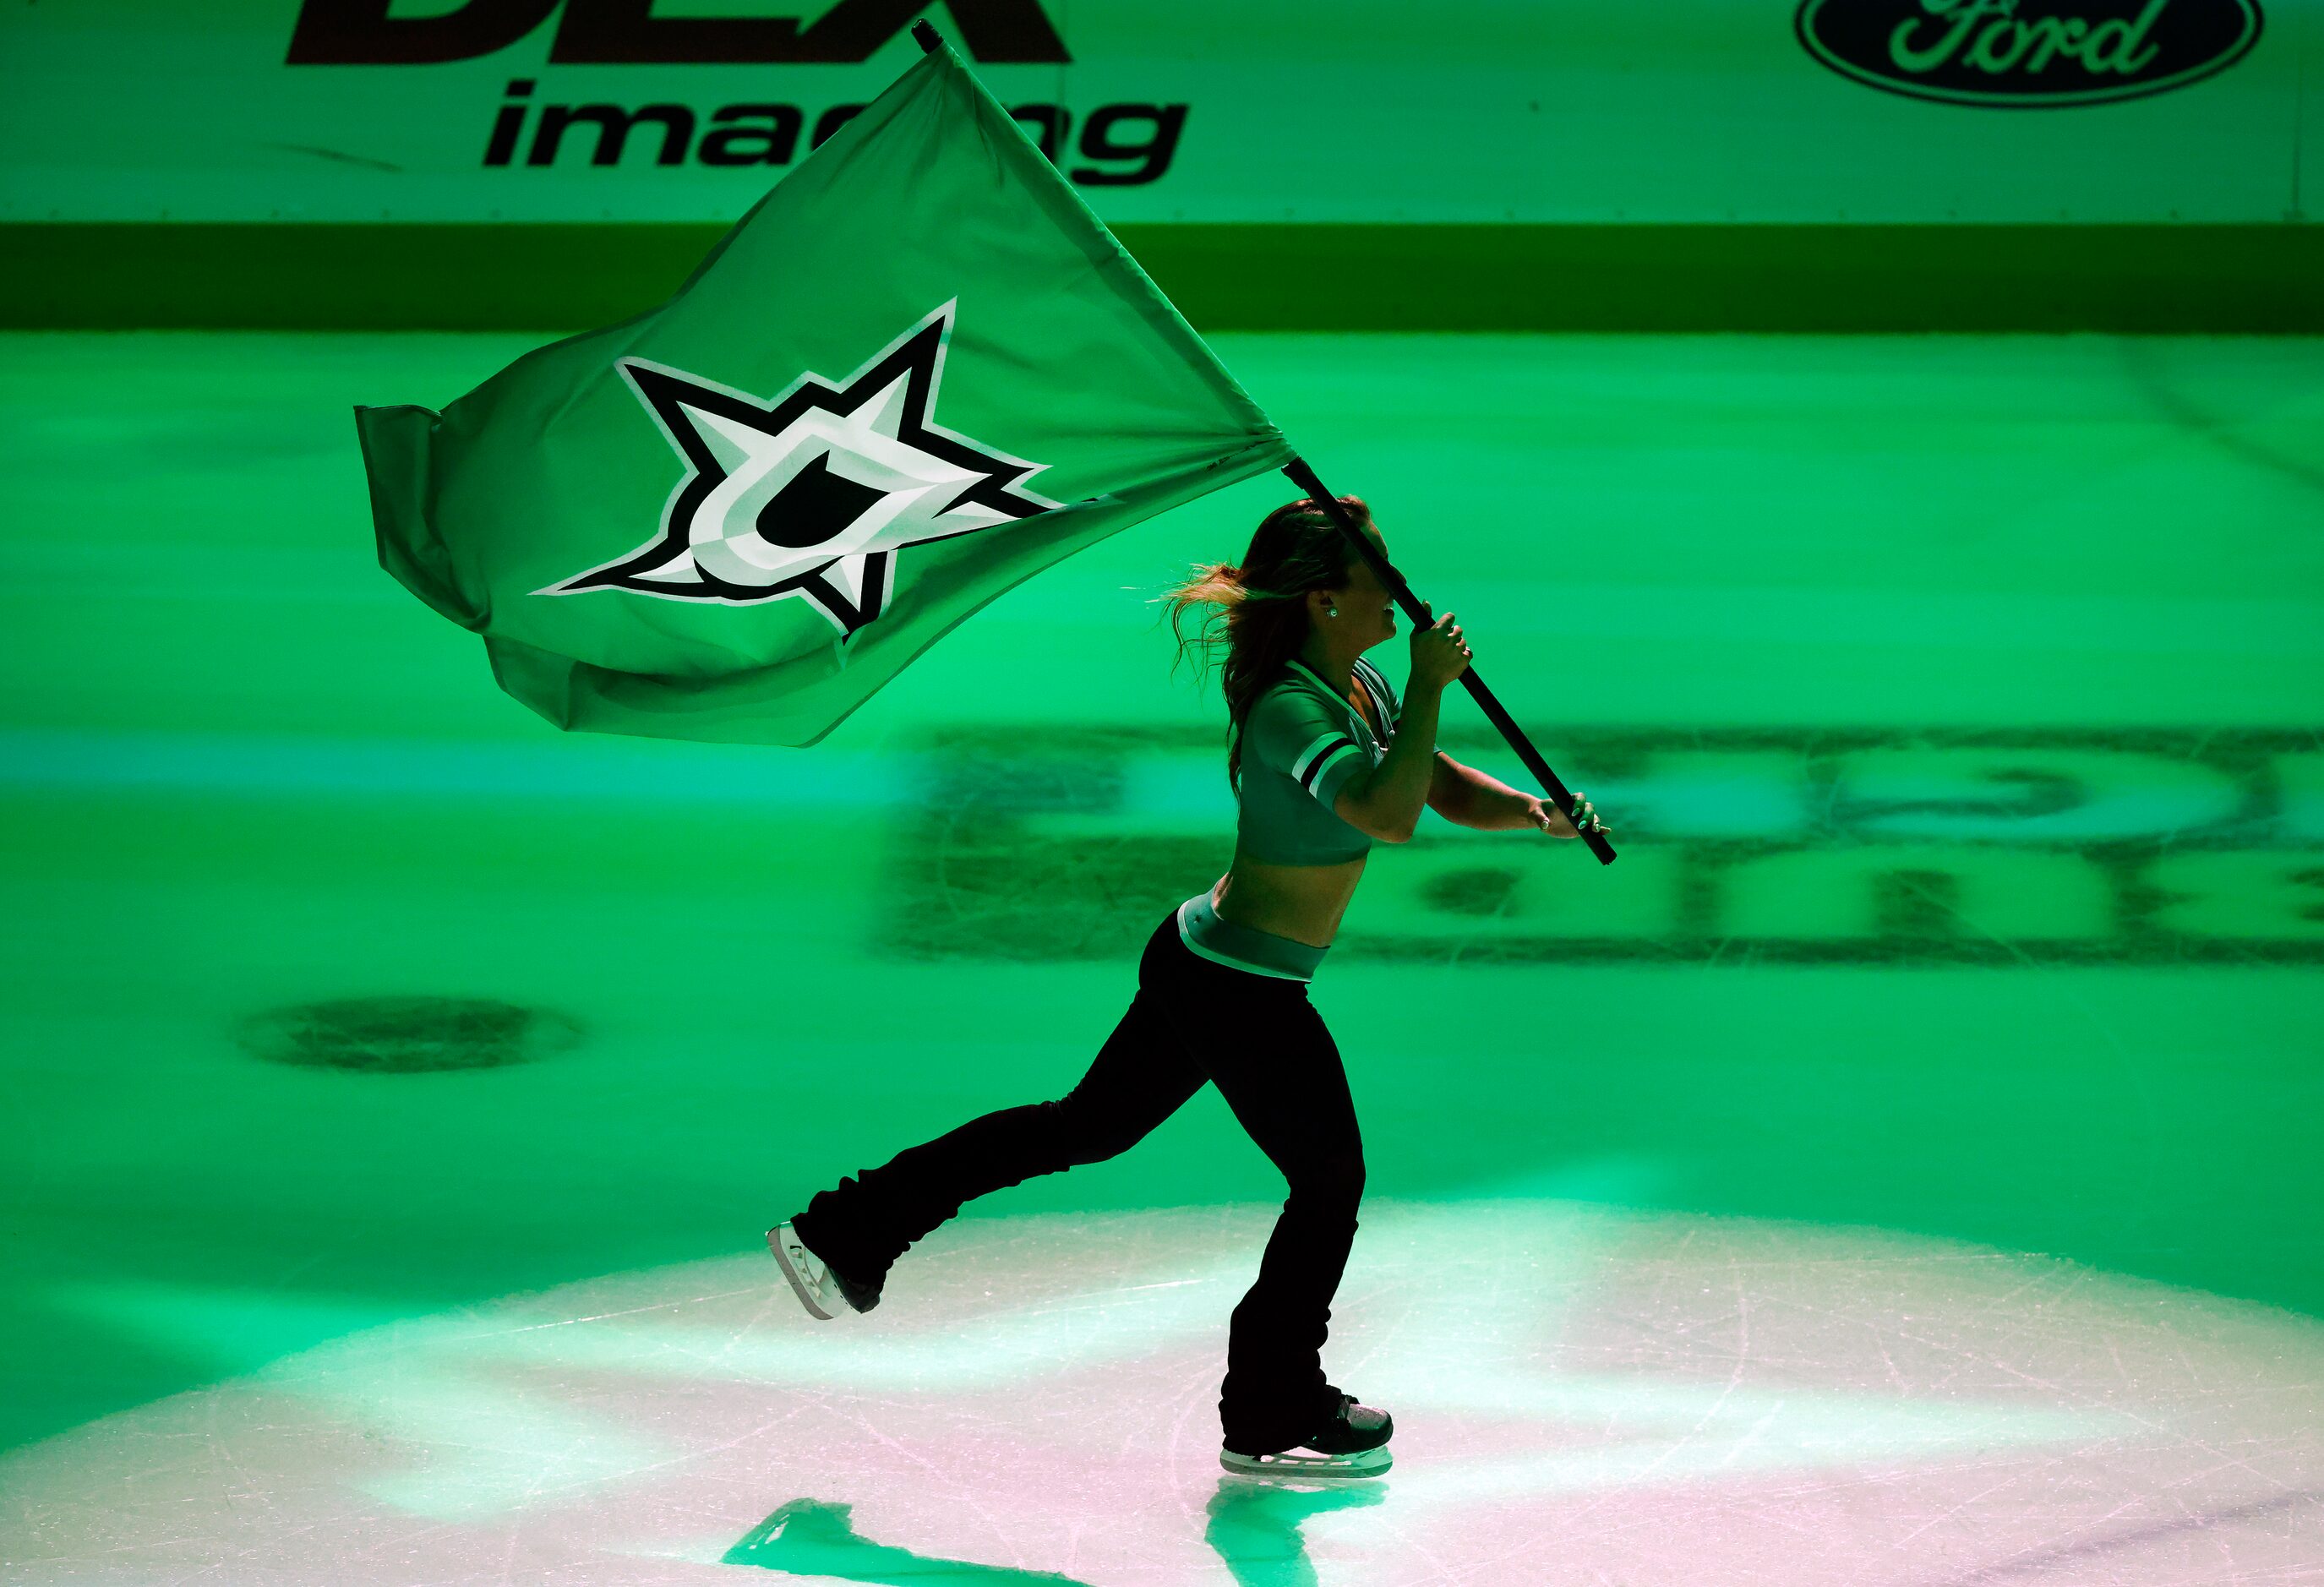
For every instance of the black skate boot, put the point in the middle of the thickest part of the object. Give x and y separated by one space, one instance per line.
815 1282
1352 1443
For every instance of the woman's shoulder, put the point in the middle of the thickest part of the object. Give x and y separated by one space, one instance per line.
1271 703
1287 692
1286 708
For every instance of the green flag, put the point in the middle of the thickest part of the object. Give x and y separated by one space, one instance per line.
917 372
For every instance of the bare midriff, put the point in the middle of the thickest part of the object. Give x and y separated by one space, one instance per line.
1302 902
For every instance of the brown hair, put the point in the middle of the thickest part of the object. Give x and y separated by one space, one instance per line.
1261 604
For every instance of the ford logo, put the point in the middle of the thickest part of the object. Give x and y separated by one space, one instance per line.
2028 53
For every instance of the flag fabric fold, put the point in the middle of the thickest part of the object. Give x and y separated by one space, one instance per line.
914 375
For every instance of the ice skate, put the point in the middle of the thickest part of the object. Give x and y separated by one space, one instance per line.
822 1291
1352 1443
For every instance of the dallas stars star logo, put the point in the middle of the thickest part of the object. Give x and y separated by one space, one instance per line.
813 493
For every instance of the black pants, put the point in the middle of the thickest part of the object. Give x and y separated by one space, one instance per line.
1262 1043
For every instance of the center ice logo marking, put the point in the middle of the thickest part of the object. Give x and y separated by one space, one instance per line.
813 493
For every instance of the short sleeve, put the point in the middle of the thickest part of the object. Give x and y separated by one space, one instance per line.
1298 734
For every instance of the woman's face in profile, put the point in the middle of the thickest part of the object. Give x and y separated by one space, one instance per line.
1366 602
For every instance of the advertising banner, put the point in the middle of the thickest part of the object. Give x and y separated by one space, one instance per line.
1200 111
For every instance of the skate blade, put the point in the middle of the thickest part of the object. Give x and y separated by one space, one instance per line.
1368 1462
779 1239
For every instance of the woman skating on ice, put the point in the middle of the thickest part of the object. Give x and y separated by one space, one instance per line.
1324 761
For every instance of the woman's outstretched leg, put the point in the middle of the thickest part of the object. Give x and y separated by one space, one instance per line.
1140 1077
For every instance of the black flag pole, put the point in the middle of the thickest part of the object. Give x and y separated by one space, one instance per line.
1305 478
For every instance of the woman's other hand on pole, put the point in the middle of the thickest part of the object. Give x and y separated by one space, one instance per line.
1554 822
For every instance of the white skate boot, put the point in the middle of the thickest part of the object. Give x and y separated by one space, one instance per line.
1352 1443
823 1292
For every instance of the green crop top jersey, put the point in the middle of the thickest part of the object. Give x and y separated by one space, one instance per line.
1301 745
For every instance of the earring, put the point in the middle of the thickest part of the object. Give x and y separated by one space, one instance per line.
1331 611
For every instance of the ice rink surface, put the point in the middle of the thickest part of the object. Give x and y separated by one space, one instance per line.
1899 1168
1581 1394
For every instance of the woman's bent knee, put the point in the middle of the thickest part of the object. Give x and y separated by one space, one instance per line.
1333 1181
